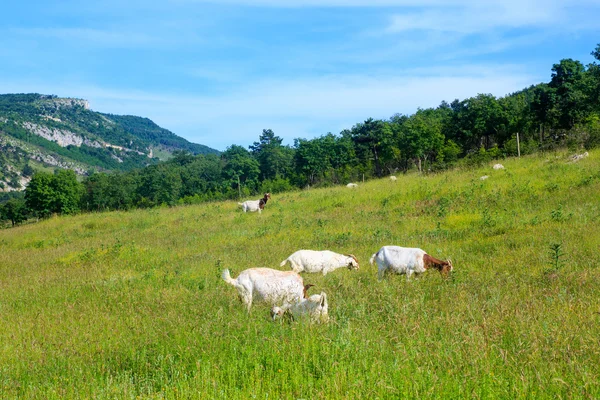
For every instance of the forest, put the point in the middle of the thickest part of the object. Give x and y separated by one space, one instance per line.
565 112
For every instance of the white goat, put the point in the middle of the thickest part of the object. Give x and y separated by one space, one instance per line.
269 285
319 261
352 185
578 157
405 260
255 205
498 166
393 178
315 308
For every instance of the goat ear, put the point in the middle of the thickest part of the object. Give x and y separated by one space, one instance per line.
323 299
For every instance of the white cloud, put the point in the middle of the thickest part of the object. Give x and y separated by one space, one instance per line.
475 17
470 20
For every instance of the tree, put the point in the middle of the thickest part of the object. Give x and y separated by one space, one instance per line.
484 119
67 192
519 117
274 159
14 210
594 76
28 170
39 194
374 140
421 135
159 184
240 168
312 159
203 177
569 84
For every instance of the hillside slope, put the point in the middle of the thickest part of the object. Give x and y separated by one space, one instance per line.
41 131
128 304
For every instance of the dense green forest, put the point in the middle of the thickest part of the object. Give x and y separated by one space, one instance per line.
563 112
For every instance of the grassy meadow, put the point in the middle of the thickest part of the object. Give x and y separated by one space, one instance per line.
128 305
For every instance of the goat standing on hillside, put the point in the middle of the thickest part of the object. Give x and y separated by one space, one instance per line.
269 285
255 205
406 260
319 261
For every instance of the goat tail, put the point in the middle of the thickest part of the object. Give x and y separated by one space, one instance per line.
373 258
240 204
283 263
227 278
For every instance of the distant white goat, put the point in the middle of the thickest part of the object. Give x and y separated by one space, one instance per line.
269 285
352 185
578 157
498 166
406 260
483 178
255 205
315 308
319 261
393 178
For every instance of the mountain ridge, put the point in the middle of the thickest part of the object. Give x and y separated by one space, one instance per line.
40 131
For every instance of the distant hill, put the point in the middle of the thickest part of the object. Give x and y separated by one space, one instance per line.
44 131
146 130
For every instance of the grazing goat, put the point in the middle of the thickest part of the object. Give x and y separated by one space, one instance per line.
393 178
352 185
498 166
269 285
578 157
315 308
319 261
404 260
255 205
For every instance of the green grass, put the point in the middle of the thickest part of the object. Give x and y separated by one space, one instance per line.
128 305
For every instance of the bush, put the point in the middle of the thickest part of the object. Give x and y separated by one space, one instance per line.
529 146
482 156
276 185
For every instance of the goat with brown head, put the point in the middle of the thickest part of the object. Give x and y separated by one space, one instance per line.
445 267
262 202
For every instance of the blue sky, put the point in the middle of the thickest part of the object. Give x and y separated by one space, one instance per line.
219 72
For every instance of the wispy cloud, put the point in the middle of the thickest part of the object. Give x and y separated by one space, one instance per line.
470 20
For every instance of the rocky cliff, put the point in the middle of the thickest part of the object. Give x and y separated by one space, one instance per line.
44 131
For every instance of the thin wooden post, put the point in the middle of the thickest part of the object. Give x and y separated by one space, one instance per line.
518 146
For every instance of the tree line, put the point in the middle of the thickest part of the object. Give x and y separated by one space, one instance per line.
562 112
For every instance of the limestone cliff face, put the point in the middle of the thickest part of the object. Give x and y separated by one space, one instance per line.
62 137
62 102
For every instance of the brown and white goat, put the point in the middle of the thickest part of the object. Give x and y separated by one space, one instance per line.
407 260
255 205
